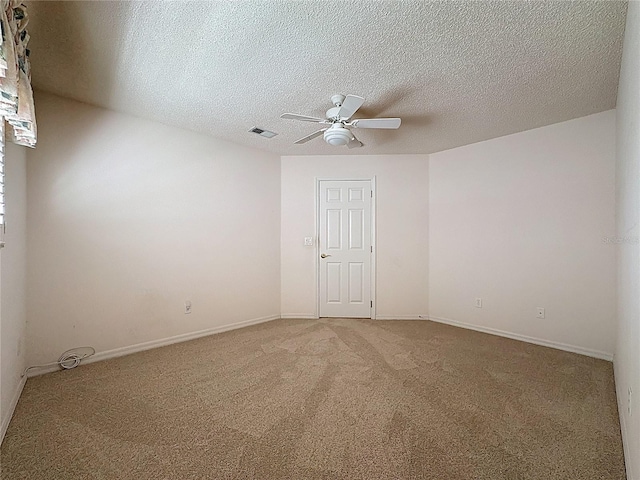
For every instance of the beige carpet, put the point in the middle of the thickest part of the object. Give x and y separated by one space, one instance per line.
327 399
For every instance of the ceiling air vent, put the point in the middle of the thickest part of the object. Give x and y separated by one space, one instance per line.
262 132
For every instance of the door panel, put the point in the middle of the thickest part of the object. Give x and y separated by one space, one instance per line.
334 282
356 229
345 244
356 272
334 229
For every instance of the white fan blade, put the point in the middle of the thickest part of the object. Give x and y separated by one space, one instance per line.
310 137
376 123
303 118
354 143
350 105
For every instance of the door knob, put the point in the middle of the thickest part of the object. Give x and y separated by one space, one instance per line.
324 255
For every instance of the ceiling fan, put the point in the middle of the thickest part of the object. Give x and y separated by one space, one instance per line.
339 120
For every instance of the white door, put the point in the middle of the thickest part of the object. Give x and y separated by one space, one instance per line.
345 248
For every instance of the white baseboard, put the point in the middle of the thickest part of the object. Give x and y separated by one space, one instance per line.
625 448
140 347
306 316
525 338
621 394
12 407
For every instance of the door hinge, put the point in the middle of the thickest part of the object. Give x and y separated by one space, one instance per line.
371 249
371 303
371 193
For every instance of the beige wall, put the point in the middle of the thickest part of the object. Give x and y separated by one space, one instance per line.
129 218
13 258
124 228
627 359
402 229
519 221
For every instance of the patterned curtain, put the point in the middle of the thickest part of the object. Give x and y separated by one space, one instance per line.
16 101
16 96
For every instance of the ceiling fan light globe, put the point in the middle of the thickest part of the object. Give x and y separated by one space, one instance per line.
337 136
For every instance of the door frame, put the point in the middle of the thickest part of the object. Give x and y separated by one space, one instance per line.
374 196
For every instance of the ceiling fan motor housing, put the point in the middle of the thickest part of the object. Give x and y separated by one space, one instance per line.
337 135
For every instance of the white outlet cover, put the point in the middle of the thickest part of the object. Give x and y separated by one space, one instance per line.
308 241
540 312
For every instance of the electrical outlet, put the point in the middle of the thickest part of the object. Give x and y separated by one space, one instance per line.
187 307
478 302
539 312
308 241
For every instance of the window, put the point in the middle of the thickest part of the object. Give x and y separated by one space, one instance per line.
2 206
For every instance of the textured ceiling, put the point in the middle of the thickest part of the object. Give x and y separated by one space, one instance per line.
455 72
